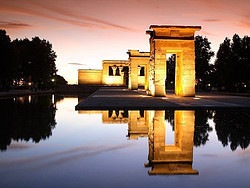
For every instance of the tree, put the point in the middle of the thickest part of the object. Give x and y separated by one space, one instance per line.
57 80
233 64
37 60
30 61
6 63
222 62
246 59
203 55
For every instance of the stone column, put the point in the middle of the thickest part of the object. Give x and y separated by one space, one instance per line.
133 72
188 71
120 70
184 133
160 72
146 78
114 70
159 133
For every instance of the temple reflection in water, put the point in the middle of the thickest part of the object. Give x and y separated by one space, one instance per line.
163 158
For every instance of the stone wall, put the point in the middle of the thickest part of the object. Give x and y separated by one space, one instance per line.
89 77
136 61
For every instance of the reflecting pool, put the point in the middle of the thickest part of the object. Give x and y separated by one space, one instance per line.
44 142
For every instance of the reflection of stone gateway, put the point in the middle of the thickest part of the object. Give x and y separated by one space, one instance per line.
148 69
171 159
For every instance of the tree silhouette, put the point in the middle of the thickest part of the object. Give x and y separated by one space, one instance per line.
37 60
28 61
233 64
203 54
7 69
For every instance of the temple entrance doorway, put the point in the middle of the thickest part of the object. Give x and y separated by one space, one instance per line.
170 72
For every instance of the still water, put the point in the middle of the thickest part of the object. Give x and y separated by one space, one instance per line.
46 143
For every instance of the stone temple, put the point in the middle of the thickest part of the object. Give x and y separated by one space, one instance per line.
148 69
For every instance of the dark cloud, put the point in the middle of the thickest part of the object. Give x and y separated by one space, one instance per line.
13 25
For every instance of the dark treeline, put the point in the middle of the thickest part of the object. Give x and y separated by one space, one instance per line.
231 69
27 64
233 64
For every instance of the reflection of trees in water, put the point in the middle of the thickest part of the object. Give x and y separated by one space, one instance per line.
24 119
202 128
233 127
58 98
169 115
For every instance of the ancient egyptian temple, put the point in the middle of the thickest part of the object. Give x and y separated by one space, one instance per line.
149 69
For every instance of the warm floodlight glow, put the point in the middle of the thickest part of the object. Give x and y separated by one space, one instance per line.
29 83
164 98
144 96
197 98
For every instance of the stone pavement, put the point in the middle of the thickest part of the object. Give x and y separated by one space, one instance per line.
118 98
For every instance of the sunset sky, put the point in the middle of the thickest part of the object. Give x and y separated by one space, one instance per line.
83 33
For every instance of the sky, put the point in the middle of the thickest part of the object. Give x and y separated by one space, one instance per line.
85 32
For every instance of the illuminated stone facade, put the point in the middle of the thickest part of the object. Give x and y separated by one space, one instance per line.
132 72
177 40
148 69
138 69
92 77
115 72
